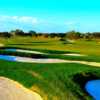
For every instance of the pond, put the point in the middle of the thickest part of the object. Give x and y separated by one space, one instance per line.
7 57
10 49
93 88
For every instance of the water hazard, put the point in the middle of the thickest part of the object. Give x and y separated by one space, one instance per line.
93 88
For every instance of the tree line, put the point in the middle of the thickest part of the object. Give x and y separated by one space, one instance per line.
70 35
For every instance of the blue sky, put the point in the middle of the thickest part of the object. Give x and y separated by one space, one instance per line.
50 15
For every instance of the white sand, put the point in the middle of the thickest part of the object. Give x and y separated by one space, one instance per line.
31 60
11 90
72 54
29 51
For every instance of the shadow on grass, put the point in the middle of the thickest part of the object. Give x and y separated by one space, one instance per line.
80 79
40 50
30 44
38 42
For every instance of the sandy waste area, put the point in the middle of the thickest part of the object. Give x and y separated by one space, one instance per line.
12 90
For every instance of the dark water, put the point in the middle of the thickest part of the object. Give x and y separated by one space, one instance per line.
6 57
10 49
93 88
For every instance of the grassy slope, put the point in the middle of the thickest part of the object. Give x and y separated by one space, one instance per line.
52 79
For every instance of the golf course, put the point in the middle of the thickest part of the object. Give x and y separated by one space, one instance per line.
51 69
49 49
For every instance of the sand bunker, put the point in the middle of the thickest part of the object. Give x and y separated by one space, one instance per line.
11 90
1 45
25 51
28 51
71 54
30 60
44 60
34 60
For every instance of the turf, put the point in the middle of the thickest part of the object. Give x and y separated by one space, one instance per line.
53 81
81 46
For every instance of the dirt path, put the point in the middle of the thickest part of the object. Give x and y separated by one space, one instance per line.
11 90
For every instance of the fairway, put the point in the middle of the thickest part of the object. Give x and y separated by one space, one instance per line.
80 46
53 80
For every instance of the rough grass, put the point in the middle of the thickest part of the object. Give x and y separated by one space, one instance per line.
54 80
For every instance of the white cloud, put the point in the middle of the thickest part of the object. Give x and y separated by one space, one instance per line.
26 19
19 19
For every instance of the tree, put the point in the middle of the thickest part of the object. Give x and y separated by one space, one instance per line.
32 33
53 35
96 34
88 36
5 34
73 35
19 32
46 35
61 35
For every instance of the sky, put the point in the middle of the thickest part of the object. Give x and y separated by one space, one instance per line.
50 15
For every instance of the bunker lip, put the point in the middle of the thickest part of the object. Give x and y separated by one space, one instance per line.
44 60
12 90
28 51
25 51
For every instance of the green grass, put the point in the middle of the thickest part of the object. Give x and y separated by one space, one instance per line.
52 80
81 46
51 54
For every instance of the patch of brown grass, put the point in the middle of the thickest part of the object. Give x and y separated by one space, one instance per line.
36 89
